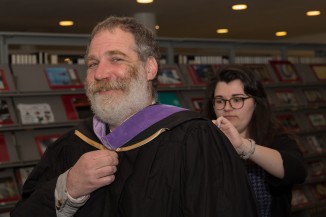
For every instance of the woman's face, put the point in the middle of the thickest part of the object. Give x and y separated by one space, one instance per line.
240 118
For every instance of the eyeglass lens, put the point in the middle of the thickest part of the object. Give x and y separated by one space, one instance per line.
235 103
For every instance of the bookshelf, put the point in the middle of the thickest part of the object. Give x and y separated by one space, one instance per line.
292 74
46 46
35 109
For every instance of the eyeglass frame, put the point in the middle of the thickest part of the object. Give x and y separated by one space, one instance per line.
229 100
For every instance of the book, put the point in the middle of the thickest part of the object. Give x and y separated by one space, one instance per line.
22 174
261 72
302 146
33 143
270 98
317 120
319 190
286 97
77 106
200 73
42 142
319 71
192 99
3 81
313 95
4 155
316 168
288 121
61 78
169 98
198 103
39 113
316 143
169 76
285 71
299 198
8 189
5 116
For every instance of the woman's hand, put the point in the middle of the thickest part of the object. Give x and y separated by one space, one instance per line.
269 159
230 131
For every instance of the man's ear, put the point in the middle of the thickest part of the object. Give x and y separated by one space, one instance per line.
151 68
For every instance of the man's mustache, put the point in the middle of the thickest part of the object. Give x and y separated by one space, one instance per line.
97 86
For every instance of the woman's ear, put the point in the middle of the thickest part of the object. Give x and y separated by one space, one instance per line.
151 68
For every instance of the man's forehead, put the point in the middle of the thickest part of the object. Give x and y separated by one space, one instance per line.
116 37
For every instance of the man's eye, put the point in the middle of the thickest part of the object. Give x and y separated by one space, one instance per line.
116 59
91 65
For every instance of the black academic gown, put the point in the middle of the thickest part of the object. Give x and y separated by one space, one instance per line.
190 170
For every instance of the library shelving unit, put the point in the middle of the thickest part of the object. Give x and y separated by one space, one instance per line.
297 95
42 96
174 50
38 103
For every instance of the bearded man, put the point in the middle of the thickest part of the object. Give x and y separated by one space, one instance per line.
135 157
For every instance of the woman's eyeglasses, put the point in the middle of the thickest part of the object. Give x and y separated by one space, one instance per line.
235 102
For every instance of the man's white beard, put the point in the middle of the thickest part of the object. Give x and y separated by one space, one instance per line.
130 96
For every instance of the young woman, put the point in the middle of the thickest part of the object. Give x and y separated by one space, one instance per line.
237 104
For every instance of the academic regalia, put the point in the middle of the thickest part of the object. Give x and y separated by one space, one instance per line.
189 170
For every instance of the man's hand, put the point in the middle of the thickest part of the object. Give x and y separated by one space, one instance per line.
93 170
